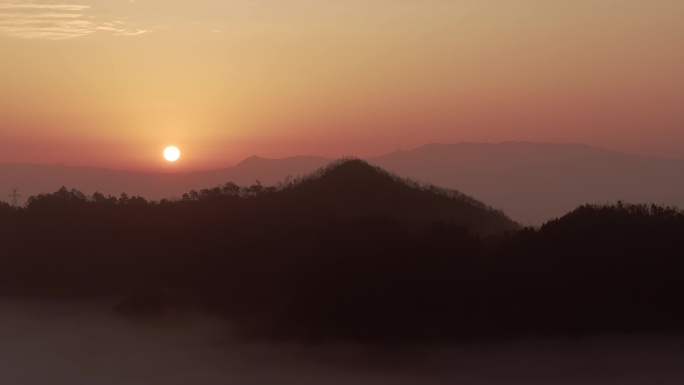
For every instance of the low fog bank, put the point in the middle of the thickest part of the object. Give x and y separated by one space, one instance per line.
85 343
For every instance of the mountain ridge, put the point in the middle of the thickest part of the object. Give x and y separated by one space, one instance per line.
531 182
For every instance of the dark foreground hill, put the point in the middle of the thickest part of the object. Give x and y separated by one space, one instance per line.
351 253
354 189
99 244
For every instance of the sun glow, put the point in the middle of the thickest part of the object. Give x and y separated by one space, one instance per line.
171 153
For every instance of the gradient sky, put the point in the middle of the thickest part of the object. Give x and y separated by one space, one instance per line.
111 82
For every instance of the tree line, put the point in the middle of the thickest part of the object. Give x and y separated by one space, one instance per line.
283 263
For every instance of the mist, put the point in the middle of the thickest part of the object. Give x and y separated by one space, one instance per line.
86 343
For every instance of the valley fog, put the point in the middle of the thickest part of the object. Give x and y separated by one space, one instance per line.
85 343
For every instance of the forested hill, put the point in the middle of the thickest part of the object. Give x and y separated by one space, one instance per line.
67 243
353 188
352 253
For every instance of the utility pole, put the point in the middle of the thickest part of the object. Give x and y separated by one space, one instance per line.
15 196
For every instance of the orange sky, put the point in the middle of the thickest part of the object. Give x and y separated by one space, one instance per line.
112 82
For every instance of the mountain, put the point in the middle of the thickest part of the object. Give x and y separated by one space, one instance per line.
354 188
351 253
105 246
531 182
536 182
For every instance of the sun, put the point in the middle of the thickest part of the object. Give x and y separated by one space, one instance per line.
171 153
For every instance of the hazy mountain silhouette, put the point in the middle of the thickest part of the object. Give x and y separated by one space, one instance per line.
531 182
536 182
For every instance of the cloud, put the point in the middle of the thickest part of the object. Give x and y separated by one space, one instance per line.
116 28
61 7
42 20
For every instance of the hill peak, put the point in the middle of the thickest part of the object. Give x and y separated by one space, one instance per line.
346 173
352 166
354 188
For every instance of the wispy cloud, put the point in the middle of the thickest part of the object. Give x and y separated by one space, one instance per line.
61 7
41 19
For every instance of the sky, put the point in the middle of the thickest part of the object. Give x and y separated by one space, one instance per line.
110 83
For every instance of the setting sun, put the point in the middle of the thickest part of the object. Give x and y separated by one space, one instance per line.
171 153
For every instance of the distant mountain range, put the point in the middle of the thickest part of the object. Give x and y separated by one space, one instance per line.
530 182
536 182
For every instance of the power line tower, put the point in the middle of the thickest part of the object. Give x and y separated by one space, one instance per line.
15 197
